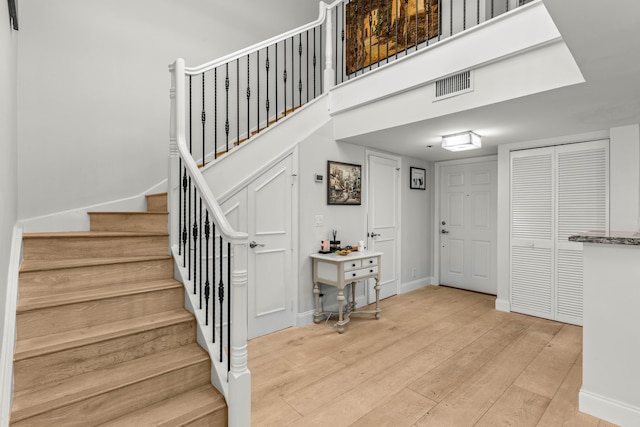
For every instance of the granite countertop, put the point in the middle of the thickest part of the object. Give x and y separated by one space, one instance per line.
607 237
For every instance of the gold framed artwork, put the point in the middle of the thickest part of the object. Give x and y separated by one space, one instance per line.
378 29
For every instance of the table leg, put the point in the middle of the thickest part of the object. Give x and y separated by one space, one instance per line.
352 306
340 316
377 288
316 293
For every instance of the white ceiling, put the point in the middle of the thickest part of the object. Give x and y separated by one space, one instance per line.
604 39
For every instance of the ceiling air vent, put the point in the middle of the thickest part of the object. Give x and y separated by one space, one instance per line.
454 85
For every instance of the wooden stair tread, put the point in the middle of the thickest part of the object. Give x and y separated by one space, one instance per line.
47 344
147 213
29 265
76 234
177 411
39 400
73 297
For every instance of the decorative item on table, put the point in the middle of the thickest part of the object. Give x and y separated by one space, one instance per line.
343 252
324 247
335 243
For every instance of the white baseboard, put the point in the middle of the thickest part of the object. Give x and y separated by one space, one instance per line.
503 305
9 327
306 318
608 409
78 220
416 284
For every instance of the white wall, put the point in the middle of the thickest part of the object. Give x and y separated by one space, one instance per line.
94 105
9 144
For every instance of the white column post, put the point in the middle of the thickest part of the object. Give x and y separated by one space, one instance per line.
329 72
239 399
176 130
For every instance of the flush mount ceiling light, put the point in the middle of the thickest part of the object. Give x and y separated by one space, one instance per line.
461 141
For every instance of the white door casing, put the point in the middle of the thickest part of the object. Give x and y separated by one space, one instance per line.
264 210
467 226
383 219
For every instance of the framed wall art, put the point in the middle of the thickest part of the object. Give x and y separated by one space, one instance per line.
418 179
344 183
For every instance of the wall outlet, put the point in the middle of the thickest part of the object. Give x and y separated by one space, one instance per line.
318 177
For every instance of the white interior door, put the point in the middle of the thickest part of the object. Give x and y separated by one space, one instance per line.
264 211
468 226
384 220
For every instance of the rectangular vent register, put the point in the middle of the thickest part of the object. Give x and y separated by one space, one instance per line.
454 85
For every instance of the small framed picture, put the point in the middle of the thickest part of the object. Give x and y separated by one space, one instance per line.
418 179
344 184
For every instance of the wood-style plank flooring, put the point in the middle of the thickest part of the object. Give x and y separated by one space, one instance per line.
437 357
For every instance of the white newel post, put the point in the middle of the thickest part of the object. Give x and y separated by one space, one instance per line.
239 399
329 72
176 129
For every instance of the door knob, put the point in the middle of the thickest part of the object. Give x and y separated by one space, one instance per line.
372 234
443 231
253 244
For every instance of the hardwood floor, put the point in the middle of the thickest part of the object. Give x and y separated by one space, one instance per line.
437 357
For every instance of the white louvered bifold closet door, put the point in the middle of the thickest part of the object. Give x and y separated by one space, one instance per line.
582 185
532 232
555 192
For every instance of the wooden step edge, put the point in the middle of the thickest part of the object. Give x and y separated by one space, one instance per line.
74 297
163 193
38 400
91 234
142 213
180 410
40 346
31 265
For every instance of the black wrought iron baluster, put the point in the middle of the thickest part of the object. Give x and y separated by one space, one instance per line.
293 79
226 122
370 33
378 25
276 80
343 61
335 50
307 65
478 12
464 15
284 75
492 9
203 117
213 284
388 29
237 101
322 31
397 17
194 235
221 300
356 39
207 284
189 232
450 17
300 69
200 251
184 220
248 98
267 103
314 62
406 27
190 119
215 113
179 208
417 15
258 91
427 11
506 5
229 305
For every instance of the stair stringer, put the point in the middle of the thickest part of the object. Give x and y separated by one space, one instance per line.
235 170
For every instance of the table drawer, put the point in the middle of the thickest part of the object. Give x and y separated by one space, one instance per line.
356 274
353 265
367 262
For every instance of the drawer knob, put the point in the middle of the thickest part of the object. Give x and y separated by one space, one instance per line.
370 271
353 265
371 261
354 274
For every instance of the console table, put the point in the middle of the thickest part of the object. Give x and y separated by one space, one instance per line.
341 270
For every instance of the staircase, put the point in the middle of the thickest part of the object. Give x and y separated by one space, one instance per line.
102 334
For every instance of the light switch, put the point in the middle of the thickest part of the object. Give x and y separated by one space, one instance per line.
319 220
